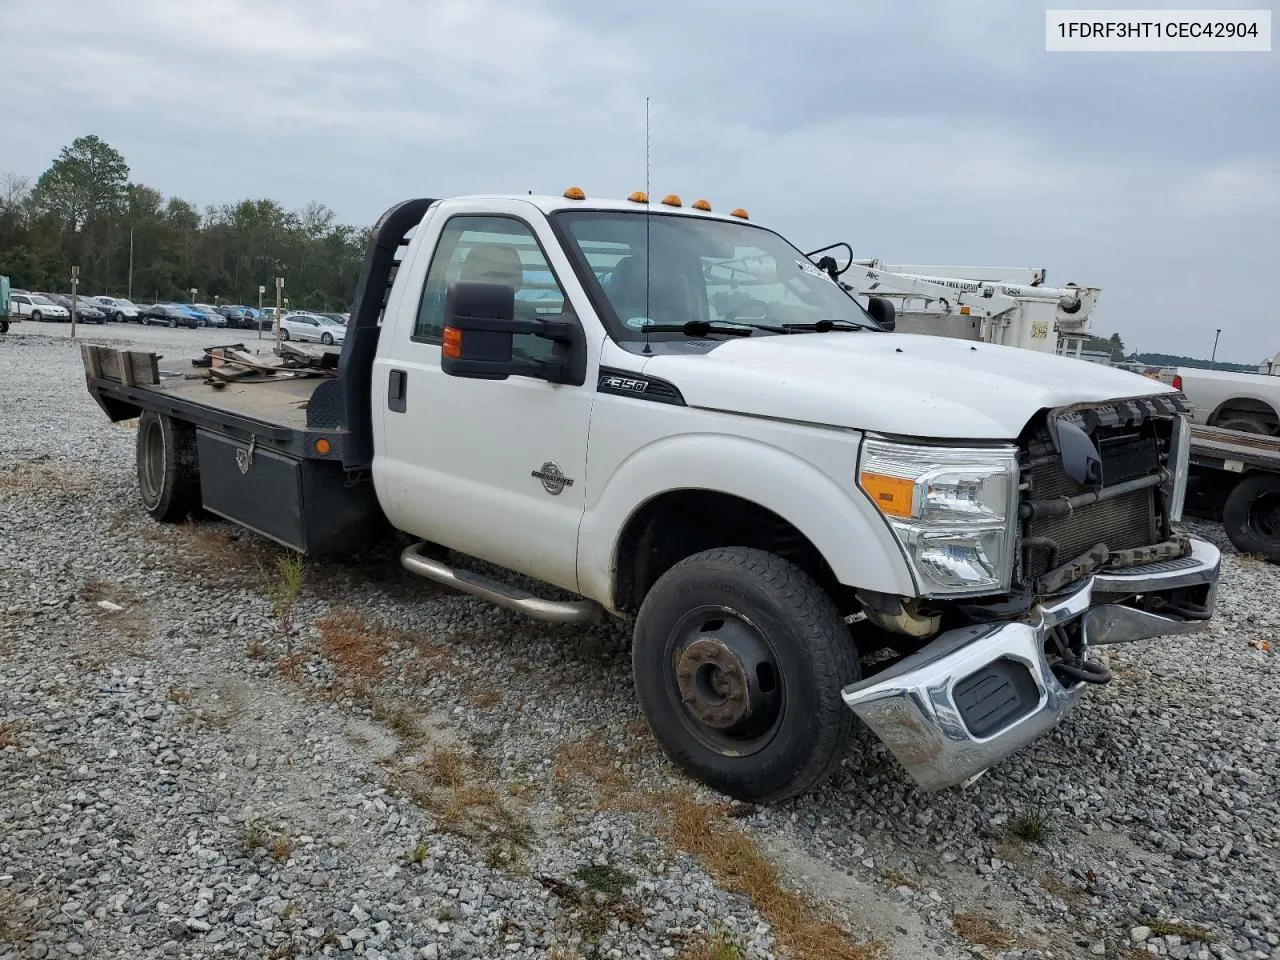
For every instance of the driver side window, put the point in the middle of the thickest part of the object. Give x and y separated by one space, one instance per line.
491 250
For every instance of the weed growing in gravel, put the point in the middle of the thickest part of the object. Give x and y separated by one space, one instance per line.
255 837
896 878
606 879
57 477
9 735
1177 928
15 919
1033 826
177 695
419 854
283 589
982 931
281 848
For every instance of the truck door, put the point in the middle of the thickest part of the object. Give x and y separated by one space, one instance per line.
492 468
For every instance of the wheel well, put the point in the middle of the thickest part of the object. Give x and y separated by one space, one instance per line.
1242 405
680 523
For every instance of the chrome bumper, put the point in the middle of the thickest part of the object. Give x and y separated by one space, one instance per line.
977 694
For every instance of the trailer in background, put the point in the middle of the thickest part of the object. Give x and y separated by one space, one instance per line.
1235 478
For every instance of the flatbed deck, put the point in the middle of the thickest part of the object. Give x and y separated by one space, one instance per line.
1234 451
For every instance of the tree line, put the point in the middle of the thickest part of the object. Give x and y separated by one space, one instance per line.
85 211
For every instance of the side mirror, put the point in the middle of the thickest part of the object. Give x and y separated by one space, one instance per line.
882 312
480 331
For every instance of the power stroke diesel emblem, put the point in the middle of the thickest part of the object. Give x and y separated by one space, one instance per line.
553 479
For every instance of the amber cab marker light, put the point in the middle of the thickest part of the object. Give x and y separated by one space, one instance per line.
322 446
893 495
452 346
671 200
740 213
639 197
701 205
575 193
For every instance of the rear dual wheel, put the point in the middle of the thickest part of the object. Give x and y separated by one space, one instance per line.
739 658
168 469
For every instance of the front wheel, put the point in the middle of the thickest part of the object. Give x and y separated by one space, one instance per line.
284 334
326 339
37 316
172 323
168 469
1251 516
739 659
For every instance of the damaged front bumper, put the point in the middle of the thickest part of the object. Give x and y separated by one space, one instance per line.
977 694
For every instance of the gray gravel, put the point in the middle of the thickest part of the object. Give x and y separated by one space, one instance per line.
172 785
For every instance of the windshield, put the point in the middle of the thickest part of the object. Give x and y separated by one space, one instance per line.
708 271
36 298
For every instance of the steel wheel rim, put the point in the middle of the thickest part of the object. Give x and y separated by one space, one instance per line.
1264 514
151 476
723 681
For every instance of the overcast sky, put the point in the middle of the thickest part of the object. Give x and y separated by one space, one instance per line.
919 132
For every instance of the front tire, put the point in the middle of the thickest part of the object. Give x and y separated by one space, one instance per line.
284 334
37 316
168 469
739 658
326 339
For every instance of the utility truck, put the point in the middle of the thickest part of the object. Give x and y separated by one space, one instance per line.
673 416
1011 306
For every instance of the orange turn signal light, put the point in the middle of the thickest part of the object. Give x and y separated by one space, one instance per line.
452 343
322 446
701 205
671 200
639 197
964 310
893 495
740 213
575 193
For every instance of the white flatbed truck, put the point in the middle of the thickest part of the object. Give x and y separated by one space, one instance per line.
673 415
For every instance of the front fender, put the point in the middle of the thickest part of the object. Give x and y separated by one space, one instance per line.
845 527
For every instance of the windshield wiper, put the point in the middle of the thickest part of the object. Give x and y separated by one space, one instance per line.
822 326
697 328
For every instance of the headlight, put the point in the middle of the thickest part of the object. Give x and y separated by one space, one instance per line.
953 510
1175 490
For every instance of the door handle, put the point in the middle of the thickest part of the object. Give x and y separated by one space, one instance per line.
397 388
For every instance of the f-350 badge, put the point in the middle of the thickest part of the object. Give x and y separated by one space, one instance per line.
553 479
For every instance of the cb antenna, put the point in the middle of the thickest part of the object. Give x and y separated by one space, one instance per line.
647 218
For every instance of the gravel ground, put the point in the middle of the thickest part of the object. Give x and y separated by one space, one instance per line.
193 764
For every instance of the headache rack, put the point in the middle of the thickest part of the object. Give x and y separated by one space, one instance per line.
1096 482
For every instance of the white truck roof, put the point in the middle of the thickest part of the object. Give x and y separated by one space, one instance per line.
551 204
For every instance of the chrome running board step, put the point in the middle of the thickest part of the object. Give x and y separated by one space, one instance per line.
500 594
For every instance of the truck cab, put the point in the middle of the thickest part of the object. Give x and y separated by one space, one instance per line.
676 417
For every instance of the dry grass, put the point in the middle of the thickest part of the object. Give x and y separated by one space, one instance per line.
983 931
281 848
591 764
9 735
486 699
353 643
60 477
1178 928
15 918
126 630
459 790
732 858
131 424
177 695
896 878
718 948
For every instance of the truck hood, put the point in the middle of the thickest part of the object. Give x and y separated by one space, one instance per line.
903 384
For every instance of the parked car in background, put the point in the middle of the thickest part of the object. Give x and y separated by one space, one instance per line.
336 317
118 308
209 314
170 315
269 316
311 326
85 309
240 317
35 306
